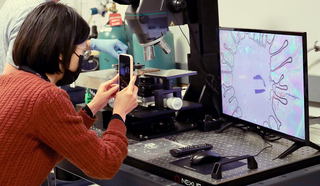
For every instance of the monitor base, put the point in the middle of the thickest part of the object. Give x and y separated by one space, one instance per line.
296 146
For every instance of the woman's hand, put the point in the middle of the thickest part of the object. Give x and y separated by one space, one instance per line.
113 47
126 100
105 92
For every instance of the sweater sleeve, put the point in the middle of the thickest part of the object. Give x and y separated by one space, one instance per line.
61 128
87 120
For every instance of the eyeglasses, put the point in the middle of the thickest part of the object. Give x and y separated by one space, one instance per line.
86 54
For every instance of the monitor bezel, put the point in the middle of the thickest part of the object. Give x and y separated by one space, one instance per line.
305 80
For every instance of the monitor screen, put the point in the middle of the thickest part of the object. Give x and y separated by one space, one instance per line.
264 79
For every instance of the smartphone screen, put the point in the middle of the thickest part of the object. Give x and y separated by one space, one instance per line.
125 70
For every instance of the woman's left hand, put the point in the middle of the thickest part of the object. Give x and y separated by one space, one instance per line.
105 92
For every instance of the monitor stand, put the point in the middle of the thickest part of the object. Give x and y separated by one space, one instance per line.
296 146
228 125
225 126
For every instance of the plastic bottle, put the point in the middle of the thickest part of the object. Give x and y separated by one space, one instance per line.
173 103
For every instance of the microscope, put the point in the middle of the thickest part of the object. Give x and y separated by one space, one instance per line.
162 110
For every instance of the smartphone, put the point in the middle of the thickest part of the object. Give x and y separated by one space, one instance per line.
125 68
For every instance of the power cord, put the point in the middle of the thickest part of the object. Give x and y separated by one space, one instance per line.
197 51
315 47
270 145
203 71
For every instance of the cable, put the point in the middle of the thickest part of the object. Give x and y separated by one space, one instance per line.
270 145
267 136
181 29
315 47
207 75
197 51
95 67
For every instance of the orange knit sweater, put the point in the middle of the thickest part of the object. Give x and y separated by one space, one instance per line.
39 127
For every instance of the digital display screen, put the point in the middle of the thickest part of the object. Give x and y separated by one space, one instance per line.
262 79
124 71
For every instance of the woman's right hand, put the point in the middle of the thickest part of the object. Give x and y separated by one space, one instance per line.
126 100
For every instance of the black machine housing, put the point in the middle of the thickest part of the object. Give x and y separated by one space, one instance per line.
149 19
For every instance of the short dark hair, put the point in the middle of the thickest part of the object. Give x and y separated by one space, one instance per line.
49 30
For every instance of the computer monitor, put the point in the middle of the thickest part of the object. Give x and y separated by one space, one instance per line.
264 80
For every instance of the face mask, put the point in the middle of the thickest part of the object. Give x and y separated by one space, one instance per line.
69 76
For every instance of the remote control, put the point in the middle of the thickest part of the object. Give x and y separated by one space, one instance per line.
189 149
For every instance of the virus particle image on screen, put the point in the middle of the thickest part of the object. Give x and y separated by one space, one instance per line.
262 79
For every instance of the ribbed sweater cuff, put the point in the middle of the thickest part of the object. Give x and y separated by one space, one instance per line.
116 124
117 116
87 120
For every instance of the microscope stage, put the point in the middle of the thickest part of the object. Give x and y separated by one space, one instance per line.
171 74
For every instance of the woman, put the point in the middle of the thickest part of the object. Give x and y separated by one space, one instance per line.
38 124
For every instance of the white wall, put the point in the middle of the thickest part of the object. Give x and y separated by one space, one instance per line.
288 15
1 3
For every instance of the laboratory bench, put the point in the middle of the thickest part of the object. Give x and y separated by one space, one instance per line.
149 162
